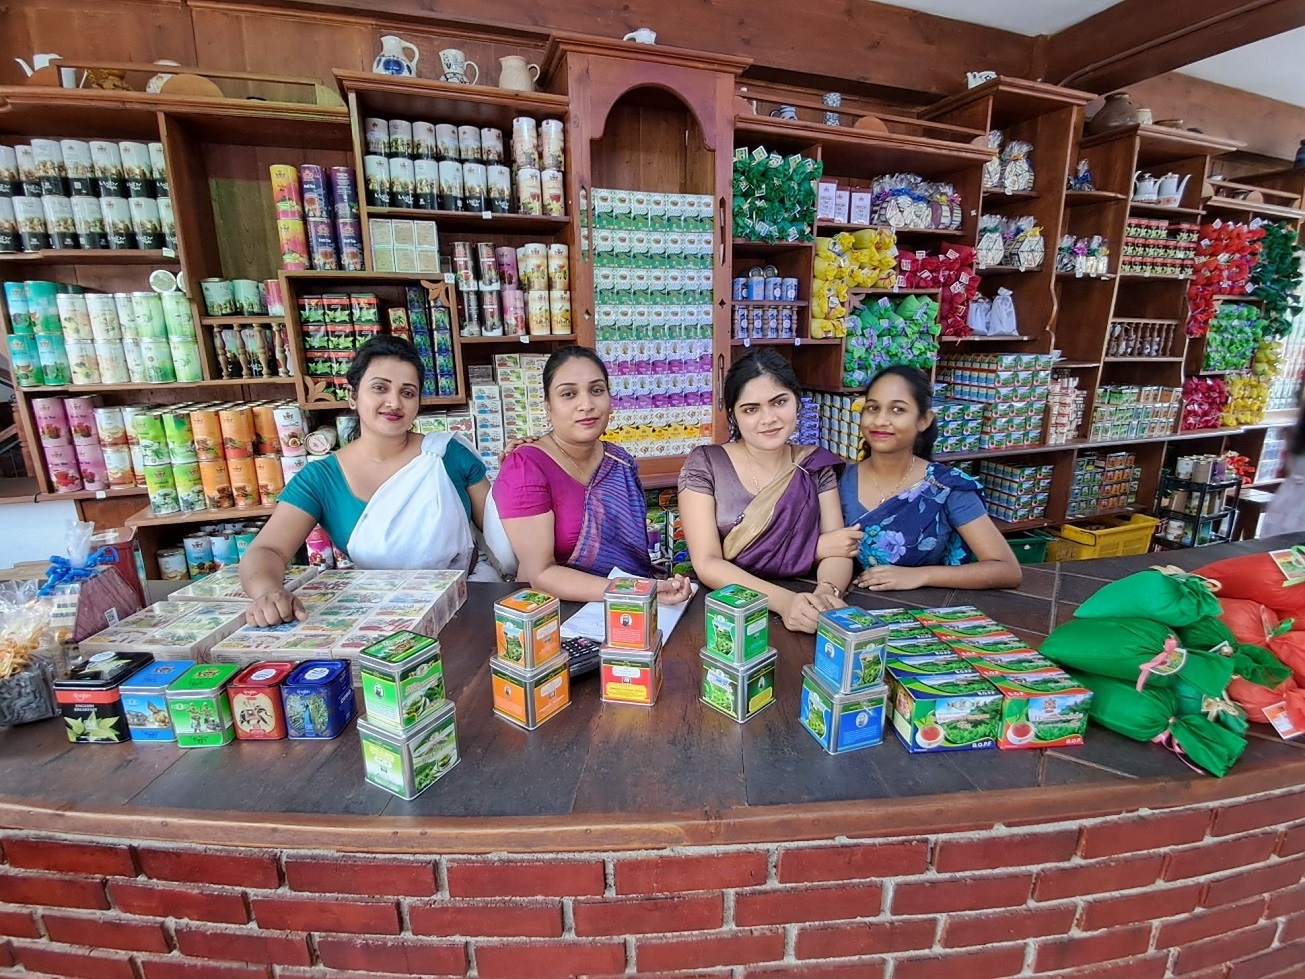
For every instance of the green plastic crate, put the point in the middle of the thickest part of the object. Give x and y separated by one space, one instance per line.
1030 546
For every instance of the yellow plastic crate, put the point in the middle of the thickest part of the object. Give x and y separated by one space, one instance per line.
1059 549
1112 536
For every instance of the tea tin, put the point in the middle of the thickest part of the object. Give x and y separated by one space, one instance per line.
256 706
527 628
739 690
408 764
144 699
200 709
318 699
402 679
737 625
850 648
528 698
631 676
630 607
945 712
841 721
90 697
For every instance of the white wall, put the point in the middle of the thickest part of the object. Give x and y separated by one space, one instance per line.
33 531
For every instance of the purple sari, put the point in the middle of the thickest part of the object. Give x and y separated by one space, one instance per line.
614 531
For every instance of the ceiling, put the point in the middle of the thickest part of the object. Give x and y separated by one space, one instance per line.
1271 67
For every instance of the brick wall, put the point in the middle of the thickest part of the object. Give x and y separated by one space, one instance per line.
1214 890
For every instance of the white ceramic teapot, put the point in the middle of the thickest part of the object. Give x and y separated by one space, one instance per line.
39 61
393 59
1145 187
516 75
1170 189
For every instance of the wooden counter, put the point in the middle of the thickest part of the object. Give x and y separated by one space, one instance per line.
611 810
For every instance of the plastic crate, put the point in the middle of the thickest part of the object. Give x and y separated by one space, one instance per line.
1030 546
1112 536
1059 549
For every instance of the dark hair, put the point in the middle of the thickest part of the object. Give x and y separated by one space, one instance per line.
384 345
917 382
756 363
570 352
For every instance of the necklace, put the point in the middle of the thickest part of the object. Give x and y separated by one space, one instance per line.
571 460
753 472
882 495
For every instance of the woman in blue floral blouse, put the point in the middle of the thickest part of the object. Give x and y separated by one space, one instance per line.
922 523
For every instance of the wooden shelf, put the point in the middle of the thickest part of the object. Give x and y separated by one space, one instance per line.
147 517
787 342
485 222
1223 298
94 494
768 302
93 256
1146 207
175 386
838 226
747 244
1118 511
1257 208
1006 527
1007 270
976 338
1085 198
998 195
1153 278
1142 360
525 338
241 320
420 98
893 292
1074 364
18 489
1062 276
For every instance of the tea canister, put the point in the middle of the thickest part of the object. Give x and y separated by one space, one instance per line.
144 699
841 721
318 699
255 695
408 764
90 698
630 611
527 628
737 626
631 676
199 707
739 690
850 648
402 679
528 698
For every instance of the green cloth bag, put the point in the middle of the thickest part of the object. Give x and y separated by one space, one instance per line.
1250 662
1152 714
1189 700
1169 596
1125 648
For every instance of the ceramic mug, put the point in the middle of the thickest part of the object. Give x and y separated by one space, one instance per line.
975 78
785 112
833 99
644 35
455 67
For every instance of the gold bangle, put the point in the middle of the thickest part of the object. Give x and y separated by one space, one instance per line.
838 592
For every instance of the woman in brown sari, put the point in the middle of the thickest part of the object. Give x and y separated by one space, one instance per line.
754 509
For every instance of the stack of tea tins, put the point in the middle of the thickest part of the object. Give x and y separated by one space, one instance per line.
843 692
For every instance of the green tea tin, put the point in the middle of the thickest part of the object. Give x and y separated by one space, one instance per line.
200 709
739 690
737 626
408 764
402 679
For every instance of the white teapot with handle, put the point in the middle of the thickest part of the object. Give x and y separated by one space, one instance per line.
1145 187
1170 189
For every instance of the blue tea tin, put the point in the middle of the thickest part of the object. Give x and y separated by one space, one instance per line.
318 699
145 702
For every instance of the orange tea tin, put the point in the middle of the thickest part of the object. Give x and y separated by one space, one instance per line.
528 629
528 698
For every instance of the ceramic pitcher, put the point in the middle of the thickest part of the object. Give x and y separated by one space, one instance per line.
516 75
393 59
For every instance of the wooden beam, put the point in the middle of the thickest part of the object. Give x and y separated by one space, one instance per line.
1139 39
877 45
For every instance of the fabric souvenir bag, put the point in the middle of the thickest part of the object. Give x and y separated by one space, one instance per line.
89 593
1166 595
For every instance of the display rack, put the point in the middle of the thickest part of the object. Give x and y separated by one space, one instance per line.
1194 514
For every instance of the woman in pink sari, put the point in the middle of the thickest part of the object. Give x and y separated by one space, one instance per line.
754 509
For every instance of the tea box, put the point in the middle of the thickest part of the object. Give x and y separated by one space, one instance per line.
408 764
224 584
630 607
850 648
990 646
1002 664
739 690
1041 710
90 698
256 705
318 699
402 679
841 721
528 698
200 710
631 676
933 664
527 628
144 699
928 645
947 712
171 630
737 624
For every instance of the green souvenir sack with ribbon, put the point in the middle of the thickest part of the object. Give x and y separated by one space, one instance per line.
1250 662
1140 651
1153 714
1167 595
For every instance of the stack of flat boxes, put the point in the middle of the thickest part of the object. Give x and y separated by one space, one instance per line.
960 425
486 401
1013 389
520 378
1015 493
840 424
1065 406
404 246
1103 481
457 422
1132 412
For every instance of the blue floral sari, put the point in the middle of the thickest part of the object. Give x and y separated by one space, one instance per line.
915 528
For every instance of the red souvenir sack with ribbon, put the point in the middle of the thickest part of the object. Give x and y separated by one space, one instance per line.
88 591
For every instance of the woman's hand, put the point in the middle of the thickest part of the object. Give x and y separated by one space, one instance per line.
275 607
844 542
890 577
804 609
673 590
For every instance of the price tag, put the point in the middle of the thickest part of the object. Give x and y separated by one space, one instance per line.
747 341
486 215
797 341
100 494
524 338
449 277
169 253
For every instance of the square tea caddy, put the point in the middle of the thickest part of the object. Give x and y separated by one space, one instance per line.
842 721
850 648
145 702
630 606
90 697
198 704
528 628
402 680
318 699
408 764
737 625
255 695
528 698
738 690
